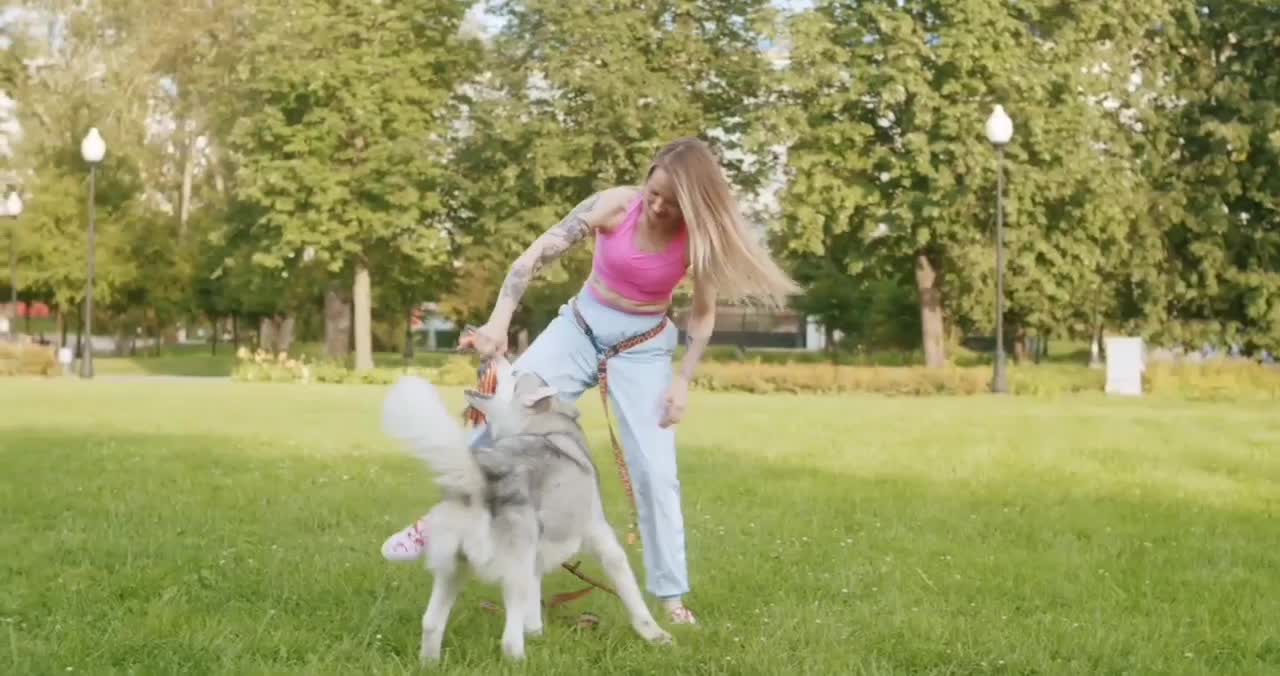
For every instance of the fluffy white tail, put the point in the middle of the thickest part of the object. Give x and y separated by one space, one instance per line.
414 414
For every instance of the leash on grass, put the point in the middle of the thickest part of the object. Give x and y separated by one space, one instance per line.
487 383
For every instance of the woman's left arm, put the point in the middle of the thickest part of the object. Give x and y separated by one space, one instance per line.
702 321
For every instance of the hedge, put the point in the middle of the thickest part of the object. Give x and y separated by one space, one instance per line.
1214 380
28 359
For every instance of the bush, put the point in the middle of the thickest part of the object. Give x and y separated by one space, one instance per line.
28 359
829 379
1218 381
1222 380
263 367
1214 380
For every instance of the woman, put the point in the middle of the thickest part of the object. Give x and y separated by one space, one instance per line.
683 220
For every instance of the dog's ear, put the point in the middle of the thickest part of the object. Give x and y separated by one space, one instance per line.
541 399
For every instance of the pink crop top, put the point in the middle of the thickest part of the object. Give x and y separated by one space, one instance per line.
640 276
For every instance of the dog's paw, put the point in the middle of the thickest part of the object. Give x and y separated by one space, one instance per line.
651 632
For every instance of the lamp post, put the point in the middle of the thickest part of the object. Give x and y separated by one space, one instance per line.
999 130
13 209
92 149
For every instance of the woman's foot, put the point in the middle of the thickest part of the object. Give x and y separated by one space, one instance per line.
408 544
678 613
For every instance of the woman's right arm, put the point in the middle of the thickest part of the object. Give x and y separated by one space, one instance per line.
594 212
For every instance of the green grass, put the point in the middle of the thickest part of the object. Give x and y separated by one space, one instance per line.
217 528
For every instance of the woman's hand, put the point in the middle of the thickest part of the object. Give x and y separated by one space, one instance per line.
488 341
675 401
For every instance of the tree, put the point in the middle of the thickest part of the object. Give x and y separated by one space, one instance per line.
1215 167
577 98
883 111
339 141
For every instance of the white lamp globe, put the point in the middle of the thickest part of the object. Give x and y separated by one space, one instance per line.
999 127
93 148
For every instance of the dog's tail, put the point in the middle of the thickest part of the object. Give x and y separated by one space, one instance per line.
414 414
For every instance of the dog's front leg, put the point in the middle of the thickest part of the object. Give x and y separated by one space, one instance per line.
444 592
604 544
533 608
516 590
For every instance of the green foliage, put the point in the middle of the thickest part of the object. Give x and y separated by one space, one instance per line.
1217 380
1237 381
885 106
577 98
260 366
339 144
1142 176
1216 165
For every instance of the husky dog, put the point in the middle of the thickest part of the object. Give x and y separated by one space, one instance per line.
512 509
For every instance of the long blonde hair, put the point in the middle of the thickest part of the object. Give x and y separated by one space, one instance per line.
722 248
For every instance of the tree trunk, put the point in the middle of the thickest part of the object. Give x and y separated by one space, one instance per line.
188 174
1095 347
1020 343
267 334
931 325
213 338
362 295
337 326
282 327
235 332
408 334
120 348
61 327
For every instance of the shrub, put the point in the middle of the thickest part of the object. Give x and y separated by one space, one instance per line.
827 378
1213 380
263 367
1223 381
28 359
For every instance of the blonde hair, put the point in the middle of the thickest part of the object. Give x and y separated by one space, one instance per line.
722 249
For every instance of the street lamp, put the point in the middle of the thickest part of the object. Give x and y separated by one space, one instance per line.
12 208
92 149
999 130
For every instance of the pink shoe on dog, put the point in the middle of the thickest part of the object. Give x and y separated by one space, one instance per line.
407 545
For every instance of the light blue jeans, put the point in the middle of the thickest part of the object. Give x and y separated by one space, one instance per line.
638 380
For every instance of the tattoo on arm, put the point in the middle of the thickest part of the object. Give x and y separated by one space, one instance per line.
695 345
549 246
702 323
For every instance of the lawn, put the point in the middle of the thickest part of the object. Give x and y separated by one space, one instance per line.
193 527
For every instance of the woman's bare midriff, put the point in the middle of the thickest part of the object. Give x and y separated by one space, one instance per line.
625 304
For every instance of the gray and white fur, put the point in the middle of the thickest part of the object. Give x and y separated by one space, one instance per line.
513 510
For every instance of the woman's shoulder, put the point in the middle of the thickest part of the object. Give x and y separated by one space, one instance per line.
612 205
